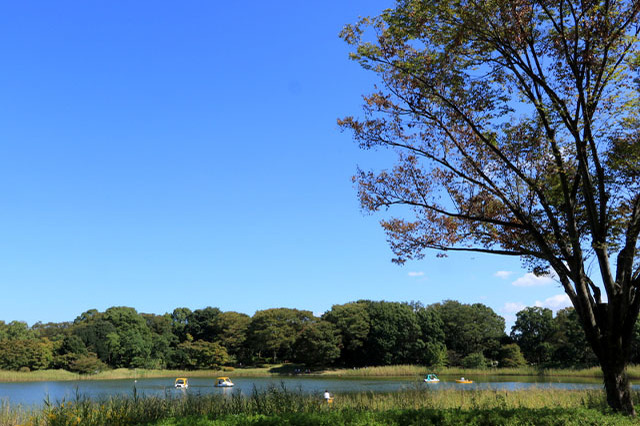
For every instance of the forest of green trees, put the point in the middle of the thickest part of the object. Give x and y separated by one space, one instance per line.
355 334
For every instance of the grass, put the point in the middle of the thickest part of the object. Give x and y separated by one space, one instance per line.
124 373
288 369
278 405
415 370
574 417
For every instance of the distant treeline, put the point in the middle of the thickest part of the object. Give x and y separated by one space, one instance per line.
355 334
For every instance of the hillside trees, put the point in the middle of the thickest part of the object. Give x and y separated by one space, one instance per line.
517 132
355 334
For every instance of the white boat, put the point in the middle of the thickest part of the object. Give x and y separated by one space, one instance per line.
431 378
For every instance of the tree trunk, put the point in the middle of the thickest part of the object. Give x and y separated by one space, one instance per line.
616 384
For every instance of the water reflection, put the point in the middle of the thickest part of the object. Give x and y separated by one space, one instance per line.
35 393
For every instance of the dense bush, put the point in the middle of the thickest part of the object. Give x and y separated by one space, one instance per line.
476 360
87 364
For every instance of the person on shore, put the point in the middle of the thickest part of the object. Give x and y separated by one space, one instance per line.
327 396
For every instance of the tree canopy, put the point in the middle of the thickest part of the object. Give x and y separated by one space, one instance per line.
516 127
354 334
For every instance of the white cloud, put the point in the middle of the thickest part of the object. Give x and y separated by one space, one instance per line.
531 280
555 303
416 274
512 307
503 274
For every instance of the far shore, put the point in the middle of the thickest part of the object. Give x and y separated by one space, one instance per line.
281 370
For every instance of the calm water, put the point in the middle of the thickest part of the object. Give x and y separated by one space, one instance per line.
35 393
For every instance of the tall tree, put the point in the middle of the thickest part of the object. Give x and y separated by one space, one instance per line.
162 339
570 345
233 328
274 331
395 334
317 344
517 127
533 332
130 343
202 324
93 330
180 322
435 351
470 329
353 323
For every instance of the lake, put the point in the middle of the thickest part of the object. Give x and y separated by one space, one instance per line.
35 393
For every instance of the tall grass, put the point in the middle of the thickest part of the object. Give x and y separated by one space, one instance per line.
278 401
124 373
13 415
416 370
33 376
383 371
277 370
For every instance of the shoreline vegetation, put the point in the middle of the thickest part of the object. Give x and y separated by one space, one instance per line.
278 405
284 370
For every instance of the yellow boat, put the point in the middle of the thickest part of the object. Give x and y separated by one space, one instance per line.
463 380
223 382
182 383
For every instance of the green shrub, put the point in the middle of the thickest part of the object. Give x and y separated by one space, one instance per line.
87 364
476 360
511 356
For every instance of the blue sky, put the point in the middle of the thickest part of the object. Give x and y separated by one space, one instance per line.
162 154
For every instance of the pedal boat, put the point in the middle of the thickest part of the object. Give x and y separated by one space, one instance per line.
182 383
431 378
223 382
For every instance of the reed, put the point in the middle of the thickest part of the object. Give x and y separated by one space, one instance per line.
125 373
280 370
416 370
15 415
278 401
37 376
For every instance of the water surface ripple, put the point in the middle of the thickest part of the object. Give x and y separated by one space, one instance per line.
35 393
